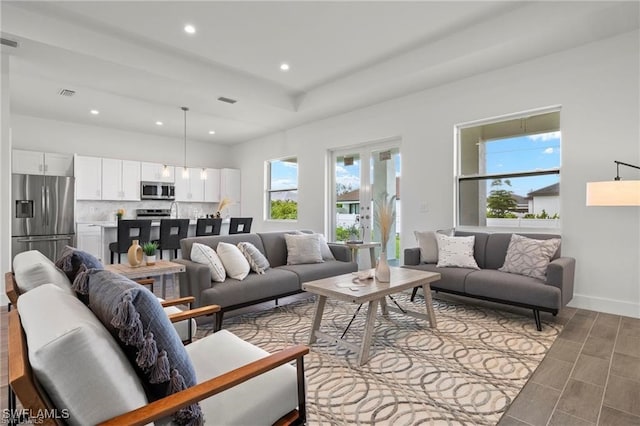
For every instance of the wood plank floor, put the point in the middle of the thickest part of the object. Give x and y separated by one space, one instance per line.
591 375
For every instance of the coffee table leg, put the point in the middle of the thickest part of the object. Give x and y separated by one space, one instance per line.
383 307
428 301
317 317
368 332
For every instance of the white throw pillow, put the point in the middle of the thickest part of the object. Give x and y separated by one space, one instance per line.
456 251
205 255
428 244
324 249
303 248
256 259
234 261
528 256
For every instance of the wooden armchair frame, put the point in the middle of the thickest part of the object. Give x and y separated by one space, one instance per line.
24 384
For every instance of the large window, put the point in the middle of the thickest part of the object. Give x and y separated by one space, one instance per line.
509 172
282 189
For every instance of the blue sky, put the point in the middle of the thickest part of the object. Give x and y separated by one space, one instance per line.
284 175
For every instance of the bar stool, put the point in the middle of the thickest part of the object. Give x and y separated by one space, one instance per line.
208 227
129 230
171 232
240 225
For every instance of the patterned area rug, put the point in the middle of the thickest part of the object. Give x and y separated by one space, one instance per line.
467 371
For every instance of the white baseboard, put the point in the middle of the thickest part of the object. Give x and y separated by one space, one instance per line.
609 306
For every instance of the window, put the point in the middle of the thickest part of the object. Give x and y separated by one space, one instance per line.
509 172
282 189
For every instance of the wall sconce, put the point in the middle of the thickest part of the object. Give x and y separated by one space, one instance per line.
615 192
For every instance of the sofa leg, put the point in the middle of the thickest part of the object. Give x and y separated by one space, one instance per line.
413 293
536 316
218 324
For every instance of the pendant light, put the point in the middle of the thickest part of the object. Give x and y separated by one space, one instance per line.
185 170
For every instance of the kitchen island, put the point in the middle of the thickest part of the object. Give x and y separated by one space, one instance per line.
95 237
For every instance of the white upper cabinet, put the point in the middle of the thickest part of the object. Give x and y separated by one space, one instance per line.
191 188
88 173
212 186
154 172
38 163
120 180
230 188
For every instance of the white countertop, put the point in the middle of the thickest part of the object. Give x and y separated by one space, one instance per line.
114 224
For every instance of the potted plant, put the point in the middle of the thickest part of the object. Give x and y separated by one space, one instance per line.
149 250
353 233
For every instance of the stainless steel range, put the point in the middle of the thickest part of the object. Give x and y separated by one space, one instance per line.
153 214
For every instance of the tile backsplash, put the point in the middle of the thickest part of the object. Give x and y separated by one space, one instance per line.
105 211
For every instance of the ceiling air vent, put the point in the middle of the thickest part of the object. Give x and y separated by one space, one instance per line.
7 42
227 100
66 92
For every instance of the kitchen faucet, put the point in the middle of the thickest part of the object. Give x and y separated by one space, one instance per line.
174 204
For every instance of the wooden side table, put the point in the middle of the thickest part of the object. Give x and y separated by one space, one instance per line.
357 246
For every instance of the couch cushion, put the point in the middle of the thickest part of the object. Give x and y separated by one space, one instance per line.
212 241
32 269
258 263
497 244
451 279
513 288
75 359
135 317
205 255
528 256
273 282
456 252
259 401
316 271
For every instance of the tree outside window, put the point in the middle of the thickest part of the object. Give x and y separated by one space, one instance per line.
282 189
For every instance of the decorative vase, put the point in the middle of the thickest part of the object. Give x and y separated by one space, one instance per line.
134 255
383 273
151 260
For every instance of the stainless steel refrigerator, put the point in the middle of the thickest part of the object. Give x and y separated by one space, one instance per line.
42 214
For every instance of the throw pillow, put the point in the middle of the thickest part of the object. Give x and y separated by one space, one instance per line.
256 259
324 249
304 248
234 261
205 255
136 318
528 256
32 269
428 244
73 260
456 252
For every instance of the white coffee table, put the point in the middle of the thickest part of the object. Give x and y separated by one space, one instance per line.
343 288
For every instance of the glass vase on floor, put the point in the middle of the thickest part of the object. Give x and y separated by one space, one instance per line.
383 273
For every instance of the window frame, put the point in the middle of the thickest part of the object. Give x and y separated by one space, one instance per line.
459 177
269 192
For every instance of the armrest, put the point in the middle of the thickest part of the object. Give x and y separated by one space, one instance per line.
170 404
561 273
11 288
194 279
340 252
193 313
412 256
178 301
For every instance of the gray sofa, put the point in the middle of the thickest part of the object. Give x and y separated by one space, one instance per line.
490 284
279 280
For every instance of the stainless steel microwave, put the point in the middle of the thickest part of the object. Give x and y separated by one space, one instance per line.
157 191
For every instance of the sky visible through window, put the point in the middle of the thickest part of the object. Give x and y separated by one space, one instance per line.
524 153
284 175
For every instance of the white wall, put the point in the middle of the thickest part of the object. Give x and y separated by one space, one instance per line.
596 85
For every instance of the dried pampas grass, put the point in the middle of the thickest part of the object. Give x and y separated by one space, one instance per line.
384 215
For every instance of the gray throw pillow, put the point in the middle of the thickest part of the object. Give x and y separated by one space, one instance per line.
135 317
528 256
303 248
256 259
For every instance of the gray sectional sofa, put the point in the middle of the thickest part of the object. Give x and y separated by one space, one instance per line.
490 284
279 280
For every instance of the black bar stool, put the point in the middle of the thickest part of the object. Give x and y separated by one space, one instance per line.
129 230
240 225
208 227
171 232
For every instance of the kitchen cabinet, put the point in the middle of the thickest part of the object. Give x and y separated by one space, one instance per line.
39 163
191 188
88 173
230 188
212 186
154 172
89 238
120 180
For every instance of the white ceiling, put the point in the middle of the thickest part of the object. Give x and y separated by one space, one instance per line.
134 63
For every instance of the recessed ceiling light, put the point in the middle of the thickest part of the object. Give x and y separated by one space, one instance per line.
159 123
284 66
94 112
189 29
212 132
